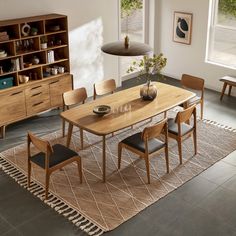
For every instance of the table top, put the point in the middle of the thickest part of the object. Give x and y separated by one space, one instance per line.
228 79
127 108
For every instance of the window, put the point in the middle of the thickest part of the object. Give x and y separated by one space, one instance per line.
133 15
221 48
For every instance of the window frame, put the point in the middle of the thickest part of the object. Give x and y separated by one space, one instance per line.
145 35
212 26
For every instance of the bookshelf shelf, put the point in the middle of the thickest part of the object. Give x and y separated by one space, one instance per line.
27 43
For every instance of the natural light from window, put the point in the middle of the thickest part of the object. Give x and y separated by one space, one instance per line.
221 48
131 24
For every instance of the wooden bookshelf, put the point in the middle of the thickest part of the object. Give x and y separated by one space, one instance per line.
22 55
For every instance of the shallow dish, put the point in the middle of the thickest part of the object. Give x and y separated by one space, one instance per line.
102 110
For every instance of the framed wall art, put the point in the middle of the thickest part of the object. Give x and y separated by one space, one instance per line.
182 27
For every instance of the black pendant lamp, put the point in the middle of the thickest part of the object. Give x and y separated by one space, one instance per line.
127 48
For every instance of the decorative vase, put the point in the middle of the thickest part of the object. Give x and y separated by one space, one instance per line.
35 60
148 91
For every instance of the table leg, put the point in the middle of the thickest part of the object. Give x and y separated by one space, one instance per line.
70 129
104 157
3 131
230 88
223 90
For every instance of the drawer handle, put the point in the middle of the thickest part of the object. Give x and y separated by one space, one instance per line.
36 94
13 94
36 104
36 87
54 82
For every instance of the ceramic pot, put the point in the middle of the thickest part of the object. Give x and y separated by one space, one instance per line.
148 91
35 60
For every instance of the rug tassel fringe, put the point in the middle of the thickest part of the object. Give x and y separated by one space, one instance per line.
219 125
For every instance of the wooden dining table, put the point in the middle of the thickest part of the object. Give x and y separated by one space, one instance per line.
127 109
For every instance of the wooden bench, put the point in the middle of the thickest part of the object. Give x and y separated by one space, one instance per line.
228 80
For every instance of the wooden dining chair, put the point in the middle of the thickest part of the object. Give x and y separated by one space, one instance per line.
146 143
196 84
71 98
180 127
50 158
104 87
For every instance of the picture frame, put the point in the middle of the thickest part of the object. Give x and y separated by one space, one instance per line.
182 27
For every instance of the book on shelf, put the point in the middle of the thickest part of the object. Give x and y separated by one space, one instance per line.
50 55
4 38
3 33
15 64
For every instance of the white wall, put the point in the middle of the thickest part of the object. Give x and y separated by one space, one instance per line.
187 58
91 23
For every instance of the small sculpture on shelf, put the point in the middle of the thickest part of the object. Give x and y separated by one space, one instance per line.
25 29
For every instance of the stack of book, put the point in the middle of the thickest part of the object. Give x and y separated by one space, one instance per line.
4 36
51 58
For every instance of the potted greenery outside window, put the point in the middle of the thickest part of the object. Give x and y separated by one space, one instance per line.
148 67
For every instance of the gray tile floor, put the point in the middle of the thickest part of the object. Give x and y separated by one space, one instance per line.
203 206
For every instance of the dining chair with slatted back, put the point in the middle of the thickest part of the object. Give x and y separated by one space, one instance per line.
50 158
196 84
71 98
180 127
146 143
104 87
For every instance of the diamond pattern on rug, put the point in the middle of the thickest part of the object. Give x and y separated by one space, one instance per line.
125 193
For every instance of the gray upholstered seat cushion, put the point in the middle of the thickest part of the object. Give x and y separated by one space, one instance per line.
173 127
60 154
136 142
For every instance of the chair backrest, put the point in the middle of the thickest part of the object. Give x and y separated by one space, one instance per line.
75 96
183 116
104 87
154 130
192 82
42 145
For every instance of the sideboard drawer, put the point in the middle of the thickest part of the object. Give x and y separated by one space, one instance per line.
37 106
32 90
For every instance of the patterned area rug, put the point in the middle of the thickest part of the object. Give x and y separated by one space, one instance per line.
97 207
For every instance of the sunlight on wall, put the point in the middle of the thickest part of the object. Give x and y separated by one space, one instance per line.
85 54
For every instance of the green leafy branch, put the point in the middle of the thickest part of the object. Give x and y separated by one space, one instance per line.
148 66
128 6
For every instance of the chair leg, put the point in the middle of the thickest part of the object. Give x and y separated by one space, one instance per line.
63 128
29 173
180 149
47 177
167 159
202 103
79 163
119 154
147 168
81 138
195 141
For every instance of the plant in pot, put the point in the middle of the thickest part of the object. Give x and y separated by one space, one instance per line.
147 67
43 42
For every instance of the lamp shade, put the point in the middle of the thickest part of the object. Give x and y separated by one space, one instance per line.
132 49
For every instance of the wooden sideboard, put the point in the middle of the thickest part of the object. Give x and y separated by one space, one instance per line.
20 43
